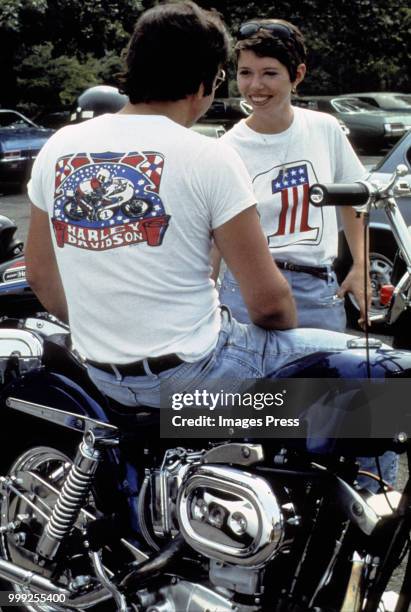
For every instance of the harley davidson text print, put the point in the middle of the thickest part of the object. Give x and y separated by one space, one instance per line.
109 200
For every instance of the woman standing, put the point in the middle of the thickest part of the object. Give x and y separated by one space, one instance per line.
286 149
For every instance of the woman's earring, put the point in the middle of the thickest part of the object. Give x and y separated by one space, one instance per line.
294 90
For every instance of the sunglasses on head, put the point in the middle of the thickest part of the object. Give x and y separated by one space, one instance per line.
278 30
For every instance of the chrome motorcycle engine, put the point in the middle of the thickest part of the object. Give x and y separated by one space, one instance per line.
225 513
230 515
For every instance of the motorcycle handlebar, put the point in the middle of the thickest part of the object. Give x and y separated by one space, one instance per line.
343 194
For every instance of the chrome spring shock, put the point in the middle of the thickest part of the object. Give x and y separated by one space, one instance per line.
71 498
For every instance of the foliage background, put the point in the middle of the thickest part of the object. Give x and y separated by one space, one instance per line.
51 50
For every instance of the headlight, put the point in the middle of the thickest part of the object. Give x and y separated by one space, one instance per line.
394 128
11 156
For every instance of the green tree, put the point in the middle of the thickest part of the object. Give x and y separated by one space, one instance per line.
353 44
73 45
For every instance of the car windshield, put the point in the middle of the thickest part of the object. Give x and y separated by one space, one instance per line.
399 101
13 120
347 105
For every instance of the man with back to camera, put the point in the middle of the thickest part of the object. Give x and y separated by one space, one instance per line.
132 277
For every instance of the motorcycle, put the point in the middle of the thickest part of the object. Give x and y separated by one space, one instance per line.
364 197
16 297
100 513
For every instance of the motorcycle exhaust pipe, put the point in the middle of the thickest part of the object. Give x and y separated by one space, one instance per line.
17 575
152 566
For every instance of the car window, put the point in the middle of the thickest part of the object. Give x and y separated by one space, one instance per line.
346 105
402 101
399 154
369 101
13 120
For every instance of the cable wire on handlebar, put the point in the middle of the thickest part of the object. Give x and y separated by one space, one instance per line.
366 218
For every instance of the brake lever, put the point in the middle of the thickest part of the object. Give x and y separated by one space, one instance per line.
378 192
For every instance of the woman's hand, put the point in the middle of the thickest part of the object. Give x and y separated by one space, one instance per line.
354 283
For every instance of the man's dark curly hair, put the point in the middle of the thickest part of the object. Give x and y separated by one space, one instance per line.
291 52
174 48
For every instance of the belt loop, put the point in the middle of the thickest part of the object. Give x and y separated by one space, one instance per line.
117 374
226 310
147 368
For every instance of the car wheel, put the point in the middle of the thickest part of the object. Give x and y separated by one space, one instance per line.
380 273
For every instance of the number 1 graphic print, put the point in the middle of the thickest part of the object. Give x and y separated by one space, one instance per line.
292 185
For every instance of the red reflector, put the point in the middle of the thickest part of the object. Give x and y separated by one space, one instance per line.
386 292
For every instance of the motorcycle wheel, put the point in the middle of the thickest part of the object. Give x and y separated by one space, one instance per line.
41 471
74 211
136 207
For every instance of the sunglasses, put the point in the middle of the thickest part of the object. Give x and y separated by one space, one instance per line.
220 78
278 30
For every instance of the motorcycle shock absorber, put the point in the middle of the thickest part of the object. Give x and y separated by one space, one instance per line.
74 492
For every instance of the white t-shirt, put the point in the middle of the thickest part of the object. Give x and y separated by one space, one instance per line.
282 167
132 201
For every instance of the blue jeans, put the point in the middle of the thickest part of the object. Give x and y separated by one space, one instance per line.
242 352
316 300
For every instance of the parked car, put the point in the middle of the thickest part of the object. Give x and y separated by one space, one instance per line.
386 100
53 119
20 141
382 244
370 129
208 129
226 112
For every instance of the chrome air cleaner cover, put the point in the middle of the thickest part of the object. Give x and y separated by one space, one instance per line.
230 515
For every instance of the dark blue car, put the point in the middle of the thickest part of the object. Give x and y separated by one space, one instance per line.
20 142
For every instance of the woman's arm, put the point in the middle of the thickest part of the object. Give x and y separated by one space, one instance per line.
354 281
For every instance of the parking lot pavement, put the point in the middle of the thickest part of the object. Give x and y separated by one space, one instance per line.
16 206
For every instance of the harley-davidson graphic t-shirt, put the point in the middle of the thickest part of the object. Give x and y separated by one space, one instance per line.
282 167
132 201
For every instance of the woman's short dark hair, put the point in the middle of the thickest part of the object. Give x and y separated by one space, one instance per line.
291 51
174 48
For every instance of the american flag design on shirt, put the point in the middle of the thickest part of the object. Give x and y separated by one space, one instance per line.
286 207
109 200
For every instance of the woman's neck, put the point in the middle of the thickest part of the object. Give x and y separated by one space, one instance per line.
272 123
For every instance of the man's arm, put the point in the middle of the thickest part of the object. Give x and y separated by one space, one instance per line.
354 281
41 267
266 293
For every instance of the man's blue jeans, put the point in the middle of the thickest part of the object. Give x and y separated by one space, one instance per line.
242 352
